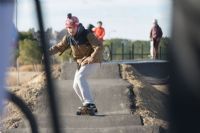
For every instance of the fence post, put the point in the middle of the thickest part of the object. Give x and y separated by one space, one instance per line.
111 49
122 51
160 52
18 80
142 51
133 48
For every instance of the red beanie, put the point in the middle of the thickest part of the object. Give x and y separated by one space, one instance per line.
71 21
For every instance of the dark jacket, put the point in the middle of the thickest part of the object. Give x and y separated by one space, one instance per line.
156 32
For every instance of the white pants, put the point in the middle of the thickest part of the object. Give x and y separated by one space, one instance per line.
151 49
81 85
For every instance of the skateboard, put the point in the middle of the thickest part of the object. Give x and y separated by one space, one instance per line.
86 111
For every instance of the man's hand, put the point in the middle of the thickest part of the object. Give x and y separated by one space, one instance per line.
88 60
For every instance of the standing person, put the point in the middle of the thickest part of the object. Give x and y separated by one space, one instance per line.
99 31
155 36
87 51
90 27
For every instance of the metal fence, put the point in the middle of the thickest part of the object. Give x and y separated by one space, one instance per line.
133 52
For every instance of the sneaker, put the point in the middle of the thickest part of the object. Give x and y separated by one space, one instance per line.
85 110
93 106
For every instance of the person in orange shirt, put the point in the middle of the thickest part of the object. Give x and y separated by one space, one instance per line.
99 31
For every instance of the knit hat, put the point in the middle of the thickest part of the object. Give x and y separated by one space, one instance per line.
71 21
155 21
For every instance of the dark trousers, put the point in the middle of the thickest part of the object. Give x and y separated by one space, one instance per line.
156 42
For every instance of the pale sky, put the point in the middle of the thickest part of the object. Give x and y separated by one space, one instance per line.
130 19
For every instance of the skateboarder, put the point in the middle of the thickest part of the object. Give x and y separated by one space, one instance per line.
87 51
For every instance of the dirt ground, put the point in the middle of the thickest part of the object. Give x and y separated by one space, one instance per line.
32 86
24 74
18 78
162 88
151 101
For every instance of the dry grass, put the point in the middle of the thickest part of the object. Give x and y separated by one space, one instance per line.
31 68
30 91
15 78
150 103
29 94
27 68
11 81
26 73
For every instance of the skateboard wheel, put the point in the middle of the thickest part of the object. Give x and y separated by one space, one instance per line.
78 113
91 113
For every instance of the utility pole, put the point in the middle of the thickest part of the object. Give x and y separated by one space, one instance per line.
17 60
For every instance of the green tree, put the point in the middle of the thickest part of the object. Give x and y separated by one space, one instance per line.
30 52
26 35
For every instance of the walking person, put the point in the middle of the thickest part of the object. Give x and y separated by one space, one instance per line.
87 51
155 36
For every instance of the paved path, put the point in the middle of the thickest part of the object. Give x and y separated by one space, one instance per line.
111 97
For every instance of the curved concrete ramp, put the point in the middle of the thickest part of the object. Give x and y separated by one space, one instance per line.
123 129
111 94
153 71
104 71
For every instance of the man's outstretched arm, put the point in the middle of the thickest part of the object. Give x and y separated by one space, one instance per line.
59 47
